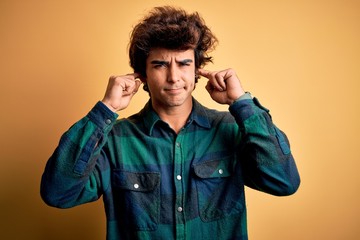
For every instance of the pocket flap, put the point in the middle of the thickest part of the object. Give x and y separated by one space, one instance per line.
214 168
136 181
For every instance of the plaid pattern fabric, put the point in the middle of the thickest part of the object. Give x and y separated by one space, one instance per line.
157 184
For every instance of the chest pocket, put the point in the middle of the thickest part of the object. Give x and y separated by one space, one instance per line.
137 198
219 188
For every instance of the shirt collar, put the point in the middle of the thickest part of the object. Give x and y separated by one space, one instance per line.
198 115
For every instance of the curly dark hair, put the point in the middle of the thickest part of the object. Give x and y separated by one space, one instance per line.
171 28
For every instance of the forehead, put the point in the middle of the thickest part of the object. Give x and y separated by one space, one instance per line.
168 54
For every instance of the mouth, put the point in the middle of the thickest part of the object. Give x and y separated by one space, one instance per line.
173 90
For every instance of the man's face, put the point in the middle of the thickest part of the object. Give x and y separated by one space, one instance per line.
170 76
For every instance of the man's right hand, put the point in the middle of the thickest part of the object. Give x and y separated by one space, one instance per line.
120 90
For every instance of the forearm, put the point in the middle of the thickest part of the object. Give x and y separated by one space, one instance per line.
268 163
71 175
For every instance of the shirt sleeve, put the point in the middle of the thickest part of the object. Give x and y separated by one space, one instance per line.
74 174
266 158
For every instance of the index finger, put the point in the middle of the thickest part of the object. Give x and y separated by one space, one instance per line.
204 73
134 76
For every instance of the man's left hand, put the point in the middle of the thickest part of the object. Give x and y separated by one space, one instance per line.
223 86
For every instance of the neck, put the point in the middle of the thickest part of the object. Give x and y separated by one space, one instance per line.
176 116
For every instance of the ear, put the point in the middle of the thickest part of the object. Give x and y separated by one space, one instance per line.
142 78
197 75
144 81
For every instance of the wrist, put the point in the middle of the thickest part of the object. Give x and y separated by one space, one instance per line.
109 106
245 95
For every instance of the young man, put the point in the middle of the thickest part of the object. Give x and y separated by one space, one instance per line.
175 170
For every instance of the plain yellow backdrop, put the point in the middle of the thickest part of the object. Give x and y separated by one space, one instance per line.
301 58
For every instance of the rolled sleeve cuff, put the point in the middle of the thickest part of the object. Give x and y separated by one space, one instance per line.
102 116
245 107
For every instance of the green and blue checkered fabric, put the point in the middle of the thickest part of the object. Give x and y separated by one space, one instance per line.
157 184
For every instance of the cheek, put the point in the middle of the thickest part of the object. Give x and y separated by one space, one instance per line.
190 77
152 78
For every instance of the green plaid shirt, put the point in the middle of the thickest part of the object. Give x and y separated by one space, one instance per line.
157 184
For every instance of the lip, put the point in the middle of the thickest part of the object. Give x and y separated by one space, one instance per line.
174 90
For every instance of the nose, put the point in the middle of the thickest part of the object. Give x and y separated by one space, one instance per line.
173 73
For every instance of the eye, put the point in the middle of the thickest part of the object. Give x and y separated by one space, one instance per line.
184 64
160 65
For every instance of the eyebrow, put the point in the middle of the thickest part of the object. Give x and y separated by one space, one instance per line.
159 62
184 61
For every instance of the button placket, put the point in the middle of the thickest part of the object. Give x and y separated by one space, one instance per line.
178 179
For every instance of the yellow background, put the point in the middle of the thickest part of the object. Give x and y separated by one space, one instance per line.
300 58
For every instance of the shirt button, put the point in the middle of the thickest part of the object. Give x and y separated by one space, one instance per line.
178 177
136 186
107 121
221 171
179 209
177 144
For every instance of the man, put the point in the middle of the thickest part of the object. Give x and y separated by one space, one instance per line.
175 170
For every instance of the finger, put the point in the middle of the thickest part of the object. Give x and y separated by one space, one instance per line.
215 85
116 82
131 86
204 73
215 78
209 87
220 79
136 75
132 76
